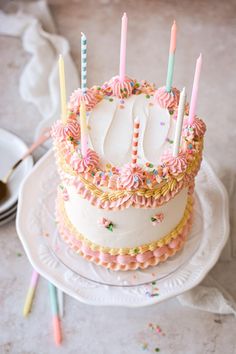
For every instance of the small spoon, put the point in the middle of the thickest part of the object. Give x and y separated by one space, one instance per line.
3 183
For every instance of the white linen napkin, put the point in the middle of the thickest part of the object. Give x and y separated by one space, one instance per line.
209 296
39 84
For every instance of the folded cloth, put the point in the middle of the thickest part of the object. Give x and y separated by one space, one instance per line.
39 82
211 297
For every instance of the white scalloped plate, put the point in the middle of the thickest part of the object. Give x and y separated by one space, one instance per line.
88 282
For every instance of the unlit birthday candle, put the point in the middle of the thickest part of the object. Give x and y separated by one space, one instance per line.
193 103
179 122
123 47
171 60
62 88
83 63
135 143
84 129
55 313
31 293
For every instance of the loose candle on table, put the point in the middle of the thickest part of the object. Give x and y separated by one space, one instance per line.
84 129
31 293
193 102
55 314
83 63
179 122
62 88
135 142
171 60
123 47
60 300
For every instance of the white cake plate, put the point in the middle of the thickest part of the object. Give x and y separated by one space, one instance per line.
96 285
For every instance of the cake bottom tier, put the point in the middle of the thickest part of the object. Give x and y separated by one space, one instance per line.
126 261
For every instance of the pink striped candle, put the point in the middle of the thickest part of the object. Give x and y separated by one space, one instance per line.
135 143
123 47
193 103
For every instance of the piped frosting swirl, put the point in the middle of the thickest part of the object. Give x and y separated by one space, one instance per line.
131 178
82 164
166 99
120 89
89 98
61 131
198 126
175 165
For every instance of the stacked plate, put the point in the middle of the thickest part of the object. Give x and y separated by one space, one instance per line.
11 150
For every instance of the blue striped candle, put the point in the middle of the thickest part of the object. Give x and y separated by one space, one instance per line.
83 62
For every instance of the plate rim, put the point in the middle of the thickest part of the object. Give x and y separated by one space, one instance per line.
29 162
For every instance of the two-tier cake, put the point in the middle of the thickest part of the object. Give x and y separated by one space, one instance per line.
125 200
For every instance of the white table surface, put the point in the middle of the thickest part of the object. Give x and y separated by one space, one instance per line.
204 26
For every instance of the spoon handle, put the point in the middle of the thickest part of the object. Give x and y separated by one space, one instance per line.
41 139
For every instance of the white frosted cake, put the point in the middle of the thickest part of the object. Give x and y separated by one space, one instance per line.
127 202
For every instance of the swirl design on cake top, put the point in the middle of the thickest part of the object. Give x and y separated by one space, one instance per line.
120 89
70 130
162 175
82 164
131 178
89 98
166 99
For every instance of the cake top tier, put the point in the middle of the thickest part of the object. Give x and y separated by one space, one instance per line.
110 119
111 111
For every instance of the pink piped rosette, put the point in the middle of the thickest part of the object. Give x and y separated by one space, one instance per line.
118 88
197 128
86 163
89 98
175 165
131 178
62 132
169 100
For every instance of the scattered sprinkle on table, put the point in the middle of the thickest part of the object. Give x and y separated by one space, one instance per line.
145 346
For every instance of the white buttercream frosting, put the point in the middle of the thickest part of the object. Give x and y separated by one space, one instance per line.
111 128
132 227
